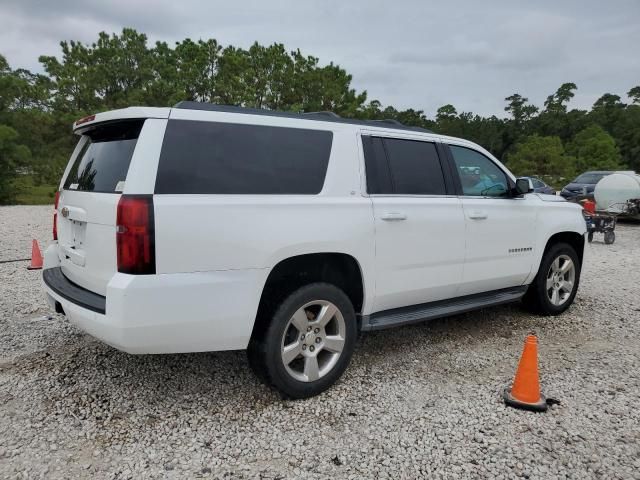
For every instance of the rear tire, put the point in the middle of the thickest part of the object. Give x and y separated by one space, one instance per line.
308 342
590 237
554 287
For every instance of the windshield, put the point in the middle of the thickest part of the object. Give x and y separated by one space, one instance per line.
590 177
103 162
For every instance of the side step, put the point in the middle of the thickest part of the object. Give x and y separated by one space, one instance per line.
442 308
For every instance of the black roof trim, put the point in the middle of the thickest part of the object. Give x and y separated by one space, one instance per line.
319 116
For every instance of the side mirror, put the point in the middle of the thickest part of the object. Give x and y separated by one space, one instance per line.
524 185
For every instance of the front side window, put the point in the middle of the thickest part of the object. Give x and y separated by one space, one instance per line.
402 167
479 176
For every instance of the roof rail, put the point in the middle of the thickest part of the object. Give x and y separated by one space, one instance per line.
318 116
391 121
323 113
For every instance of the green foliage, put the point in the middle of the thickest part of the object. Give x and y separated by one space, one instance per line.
29 192
13 156
519 109
557 101
120 70
541 156
594 149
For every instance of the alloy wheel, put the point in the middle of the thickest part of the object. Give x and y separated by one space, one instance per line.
561 279
313 340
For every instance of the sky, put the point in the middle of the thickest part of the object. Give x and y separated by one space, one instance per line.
417 54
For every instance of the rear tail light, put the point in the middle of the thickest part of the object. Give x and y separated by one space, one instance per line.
55 216
88 119
135 236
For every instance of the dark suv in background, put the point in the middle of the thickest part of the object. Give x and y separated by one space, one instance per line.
583 185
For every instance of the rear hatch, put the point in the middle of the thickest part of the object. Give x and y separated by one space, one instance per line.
87 208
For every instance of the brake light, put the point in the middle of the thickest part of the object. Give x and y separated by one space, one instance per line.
87 119
55 215
135 235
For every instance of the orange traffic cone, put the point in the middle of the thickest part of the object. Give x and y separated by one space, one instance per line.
36 257
525 392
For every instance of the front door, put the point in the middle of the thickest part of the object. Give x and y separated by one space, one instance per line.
500 229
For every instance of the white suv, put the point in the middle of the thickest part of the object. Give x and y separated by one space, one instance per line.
202 227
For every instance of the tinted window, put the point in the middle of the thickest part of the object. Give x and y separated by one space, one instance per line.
479 176
225 158
103 162
415 168
408 168
378 176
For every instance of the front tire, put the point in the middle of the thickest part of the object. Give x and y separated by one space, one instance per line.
556 284
308 343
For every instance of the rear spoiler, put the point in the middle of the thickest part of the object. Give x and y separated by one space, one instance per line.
90 121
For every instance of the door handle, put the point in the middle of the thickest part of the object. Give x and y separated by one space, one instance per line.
478 215
393 216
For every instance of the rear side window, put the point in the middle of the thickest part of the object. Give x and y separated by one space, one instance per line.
403 167
378 175
103 162
225 158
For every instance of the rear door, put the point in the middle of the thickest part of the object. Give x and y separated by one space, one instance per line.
88 202
418 222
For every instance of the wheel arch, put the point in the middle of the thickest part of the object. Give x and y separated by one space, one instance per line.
576 240
340 269
573 238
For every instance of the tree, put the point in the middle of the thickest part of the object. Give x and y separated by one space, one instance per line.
628 136
12 156
446 112
607 111
556 102
634 94
196 65
540 156
520 111
521 115
554 120
72 90
594 149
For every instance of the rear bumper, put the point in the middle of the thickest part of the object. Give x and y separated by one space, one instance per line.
55 280
166 313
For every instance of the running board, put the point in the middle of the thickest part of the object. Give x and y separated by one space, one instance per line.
442 308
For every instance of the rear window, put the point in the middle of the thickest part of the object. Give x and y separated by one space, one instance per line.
103 161
224 158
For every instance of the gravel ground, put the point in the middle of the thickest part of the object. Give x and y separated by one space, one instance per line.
419 401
